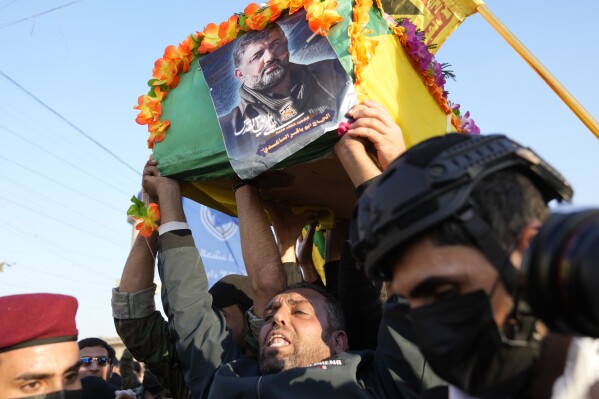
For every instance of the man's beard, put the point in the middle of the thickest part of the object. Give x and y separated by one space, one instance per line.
267 80
309 354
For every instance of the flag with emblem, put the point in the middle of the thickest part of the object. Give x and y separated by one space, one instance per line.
436 18
217 237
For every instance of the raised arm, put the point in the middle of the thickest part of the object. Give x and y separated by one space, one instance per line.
260 252
141 327
359 295
203 341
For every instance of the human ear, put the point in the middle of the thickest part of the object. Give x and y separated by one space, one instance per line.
339 342
238 74
528 232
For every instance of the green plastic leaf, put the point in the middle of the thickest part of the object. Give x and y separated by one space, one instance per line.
241 22
138 209
196 39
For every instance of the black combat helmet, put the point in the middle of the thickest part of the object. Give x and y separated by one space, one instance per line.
431 183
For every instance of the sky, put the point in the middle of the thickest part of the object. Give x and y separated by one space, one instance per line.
68 169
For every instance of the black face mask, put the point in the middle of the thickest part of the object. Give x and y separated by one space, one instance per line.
58 395
464 346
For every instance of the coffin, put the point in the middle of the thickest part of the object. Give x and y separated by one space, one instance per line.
193 149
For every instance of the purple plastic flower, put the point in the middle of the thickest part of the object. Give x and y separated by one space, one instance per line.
424 57
440 80
455 107
468 125
410 28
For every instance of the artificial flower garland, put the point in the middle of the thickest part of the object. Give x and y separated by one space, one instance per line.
432 73
321 15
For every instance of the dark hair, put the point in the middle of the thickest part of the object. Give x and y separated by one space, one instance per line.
90 342
435 182
506 201
252 37
335 315
233 289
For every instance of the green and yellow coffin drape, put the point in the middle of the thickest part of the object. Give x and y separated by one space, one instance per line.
372 50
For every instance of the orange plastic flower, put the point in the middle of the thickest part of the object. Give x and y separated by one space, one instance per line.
157 131
146 215
400 31
257 17
211 40
455 121
150 109
180 59
295 5
159 94
276 8
321 15
362 13
362 50
361 46
147 224
165 71
227 31
188 45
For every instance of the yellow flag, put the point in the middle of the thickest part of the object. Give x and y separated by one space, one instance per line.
436 18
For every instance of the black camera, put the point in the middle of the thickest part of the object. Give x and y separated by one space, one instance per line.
560 273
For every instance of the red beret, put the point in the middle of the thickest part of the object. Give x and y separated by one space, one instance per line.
36 319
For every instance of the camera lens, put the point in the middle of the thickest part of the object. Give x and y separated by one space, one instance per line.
560 272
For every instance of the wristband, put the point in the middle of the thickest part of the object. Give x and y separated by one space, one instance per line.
240 182
170 226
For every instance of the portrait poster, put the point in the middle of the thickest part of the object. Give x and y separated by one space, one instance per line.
275 91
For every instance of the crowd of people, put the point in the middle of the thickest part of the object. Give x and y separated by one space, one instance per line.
420 299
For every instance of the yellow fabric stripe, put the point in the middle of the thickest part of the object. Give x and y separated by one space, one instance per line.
390 78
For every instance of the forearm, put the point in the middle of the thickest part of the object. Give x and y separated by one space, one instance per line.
170 201
260 252
138 273
355 160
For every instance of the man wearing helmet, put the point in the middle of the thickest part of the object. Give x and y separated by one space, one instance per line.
447 223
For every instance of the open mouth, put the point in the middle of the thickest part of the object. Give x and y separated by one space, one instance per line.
277 340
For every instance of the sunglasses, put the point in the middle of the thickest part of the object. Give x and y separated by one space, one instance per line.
100 360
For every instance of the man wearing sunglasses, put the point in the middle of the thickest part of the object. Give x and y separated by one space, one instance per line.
96 358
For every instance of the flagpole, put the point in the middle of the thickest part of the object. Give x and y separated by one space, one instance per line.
539 68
